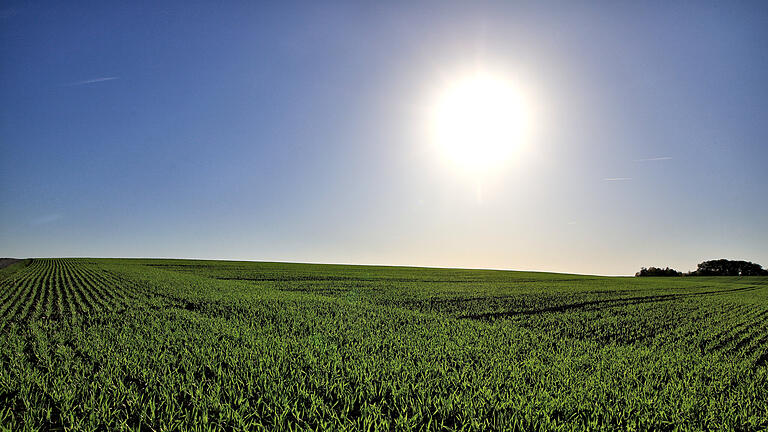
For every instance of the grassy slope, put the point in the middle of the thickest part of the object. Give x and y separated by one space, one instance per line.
174 344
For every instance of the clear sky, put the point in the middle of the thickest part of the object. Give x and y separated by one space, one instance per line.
301 132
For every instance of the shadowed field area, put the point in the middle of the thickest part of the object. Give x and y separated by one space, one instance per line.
177 345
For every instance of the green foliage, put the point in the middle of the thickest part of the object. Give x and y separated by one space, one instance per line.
203 345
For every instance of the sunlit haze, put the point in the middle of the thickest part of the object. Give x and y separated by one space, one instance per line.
592 137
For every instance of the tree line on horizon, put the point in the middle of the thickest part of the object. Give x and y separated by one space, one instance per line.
719 267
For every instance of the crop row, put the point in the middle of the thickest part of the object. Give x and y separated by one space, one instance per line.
184 345
52 289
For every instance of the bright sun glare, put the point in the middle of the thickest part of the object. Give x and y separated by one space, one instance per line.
478 121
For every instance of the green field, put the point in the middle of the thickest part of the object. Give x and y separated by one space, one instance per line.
108 344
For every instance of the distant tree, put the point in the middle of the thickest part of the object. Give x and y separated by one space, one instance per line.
657 271
724 267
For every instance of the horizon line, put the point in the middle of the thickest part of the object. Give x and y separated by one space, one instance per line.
334 263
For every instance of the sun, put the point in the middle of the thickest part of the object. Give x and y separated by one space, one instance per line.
478 121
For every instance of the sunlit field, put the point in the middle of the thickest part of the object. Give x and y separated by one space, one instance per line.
102 344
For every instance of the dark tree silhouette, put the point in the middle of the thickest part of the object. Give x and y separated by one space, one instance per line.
724 267
657 271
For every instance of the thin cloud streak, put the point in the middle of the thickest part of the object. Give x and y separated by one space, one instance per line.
654 159
617 179
46 219
91 81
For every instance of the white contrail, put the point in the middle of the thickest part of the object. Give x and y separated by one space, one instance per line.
91 81
45 219
654 159
617 178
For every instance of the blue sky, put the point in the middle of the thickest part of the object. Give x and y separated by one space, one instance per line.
295 132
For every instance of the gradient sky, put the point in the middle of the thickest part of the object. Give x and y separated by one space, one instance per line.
295 132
